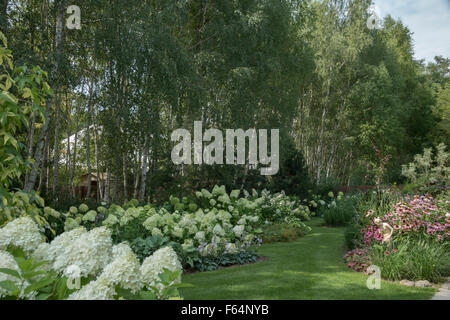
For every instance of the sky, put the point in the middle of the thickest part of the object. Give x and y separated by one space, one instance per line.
429 20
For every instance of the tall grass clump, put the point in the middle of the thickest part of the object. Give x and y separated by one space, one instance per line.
413 260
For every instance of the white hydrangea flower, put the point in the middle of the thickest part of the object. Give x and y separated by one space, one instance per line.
177 232
192 229
110 221
200 236
59 244
225 199
123 271
231 248
72 272
91 252
155 264
152 222
135 212
42 254
218 191
99 289
156 232
70 224
235 194
224 215
83 208
218 230
187 244
125 219
186 221
121 249
206 194
23 233
238 230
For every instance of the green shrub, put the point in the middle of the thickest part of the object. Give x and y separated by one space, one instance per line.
352 235
339 213
328 184
144 248
280 232
429 174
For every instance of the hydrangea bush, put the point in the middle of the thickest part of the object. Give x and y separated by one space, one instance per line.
104 269
211 223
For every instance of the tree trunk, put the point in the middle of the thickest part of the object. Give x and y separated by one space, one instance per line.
125 184
38 155
74 162
322 129
58 46
88 139
137 175
42 176
99 178
56 146
31 181
4 16
30 141
144 172
68 157
107 184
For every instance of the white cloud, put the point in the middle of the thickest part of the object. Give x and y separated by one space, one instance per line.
429 20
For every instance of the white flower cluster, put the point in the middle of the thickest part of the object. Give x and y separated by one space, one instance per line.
123 271
155 264
91 251
81 253
22 233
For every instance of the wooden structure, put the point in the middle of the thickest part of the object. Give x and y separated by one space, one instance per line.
82 187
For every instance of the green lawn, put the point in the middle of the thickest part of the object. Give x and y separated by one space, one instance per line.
309 268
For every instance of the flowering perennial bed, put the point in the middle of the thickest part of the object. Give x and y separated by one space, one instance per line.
138 251
416 245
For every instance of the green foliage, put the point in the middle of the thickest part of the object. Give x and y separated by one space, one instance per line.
429 174
293 177
23 92
413 260
326 185
21 203
169 289
352 234
33 280
340 212
146 247
283 232
210 263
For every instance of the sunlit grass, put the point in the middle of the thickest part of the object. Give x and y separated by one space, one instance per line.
309 268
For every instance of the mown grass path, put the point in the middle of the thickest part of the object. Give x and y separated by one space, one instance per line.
309 268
